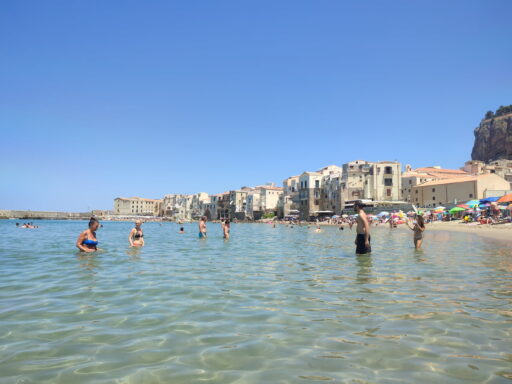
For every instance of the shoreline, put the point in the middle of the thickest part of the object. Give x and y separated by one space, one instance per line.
500 232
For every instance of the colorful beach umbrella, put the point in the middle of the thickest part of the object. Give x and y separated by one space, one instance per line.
489 199
463 206
505 199
472 203
456 209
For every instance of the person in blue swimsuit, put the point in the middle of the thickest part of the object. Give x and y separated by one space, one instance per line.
87 241
202 228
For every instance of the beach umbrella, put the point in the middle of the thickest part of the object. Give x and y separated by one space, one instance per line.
456 209
439 208
463 206
490 199
472 203
505 199
484 205
383 213
344 216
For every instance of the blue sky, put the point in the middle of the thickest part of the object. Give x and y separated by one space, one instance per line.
100 99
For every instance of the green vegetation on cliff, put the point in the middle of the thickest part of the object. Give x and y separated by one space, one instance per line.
499 112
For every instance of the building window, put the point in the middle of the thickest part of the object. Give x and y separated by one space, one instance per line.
433 189
433 198
416 191
317 184
388 192
470 195
388 182
388 170
410 182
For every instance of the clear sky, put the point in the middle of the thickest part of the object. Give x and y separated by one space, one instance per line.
100 99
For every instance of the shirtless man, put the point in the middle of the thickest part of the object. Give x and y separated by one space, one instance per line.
202 227
363 230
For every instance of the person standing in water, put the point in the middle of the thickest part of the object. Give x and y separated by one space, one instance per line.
87 241
226 229
202 227
363 237
418 227
136 237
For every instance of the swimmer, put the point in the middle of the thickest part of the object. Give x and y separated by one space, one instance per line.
87 241
136 236
418 227
226 228
318 229
182 230
363 237
202 228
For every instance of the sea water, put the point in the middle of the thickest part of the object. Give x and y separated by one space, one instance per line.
271 305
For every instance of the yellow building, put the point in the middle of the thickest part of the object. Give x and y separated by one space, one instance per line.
137 206
458 190
413 177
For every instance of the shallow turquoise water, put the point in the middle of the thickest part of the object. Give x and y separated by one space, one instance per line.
283 305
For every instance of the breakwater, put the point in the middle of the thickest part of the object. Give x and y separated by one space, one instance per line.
13 214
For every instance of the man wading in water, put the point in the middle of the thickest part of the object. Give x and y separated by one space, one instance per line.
363 230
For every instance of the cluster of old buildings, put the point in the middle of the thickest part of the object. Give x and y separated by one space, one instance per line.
332 190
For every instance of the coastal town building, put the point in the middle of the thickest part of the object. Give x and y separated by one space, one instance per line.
137 206
310 189
238 203
263 199
412 177
209 207
331 200
223 206
379 181
289 202
458 190
502 168
183 206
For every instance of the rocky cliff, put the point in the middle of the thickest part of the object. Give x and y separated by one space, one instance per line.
493 139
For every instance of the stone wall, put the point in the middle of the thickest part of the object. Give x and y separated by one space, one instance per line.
6 214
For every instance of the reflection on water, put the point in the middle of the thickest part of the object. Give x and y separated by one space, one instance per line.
364 263
269 305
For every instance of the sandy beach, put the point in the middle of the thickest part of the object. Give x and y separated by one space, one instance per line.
502 232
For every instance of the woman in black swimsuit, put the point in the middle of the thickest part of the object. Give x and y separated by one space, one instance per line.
136 237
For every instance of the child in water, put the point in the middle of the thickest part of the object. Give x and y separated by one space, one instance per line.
418 227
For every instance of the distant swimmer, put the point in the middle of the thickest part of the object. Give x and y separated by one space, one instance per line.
363 237
418 227
318 229
136 236
226 229
182 230
87 241
202 227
